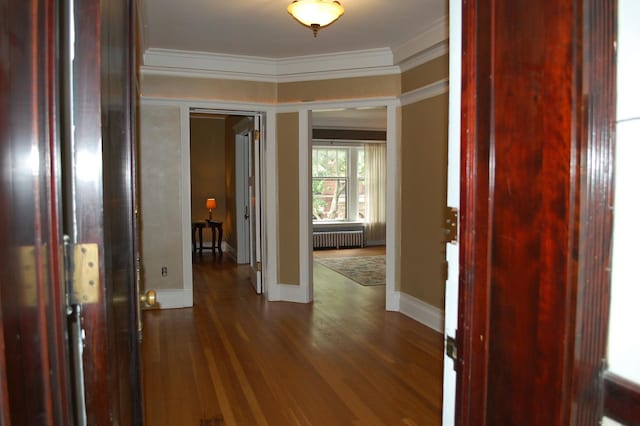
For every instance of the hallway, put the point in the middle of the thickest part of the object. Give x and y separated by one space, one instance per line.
235 359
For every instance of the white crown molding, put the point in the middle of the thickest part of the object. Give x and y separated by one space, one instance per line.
439 87
437 33
425 56
422 48
252 68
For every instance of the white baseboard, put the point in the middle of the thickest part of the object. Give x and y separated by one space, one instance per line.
175 298
288 293
393 300
422 312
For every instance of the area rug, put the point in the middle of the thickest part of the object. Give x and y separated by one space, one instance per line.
365 270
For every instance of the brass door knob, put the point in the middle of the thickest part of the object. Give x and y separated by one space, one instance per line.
149 298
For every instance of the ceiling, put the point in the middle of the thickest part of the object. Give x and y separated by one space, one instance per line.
263 28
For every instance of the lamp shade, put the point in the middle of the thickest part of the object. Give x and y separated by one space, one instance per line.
211 203
316 14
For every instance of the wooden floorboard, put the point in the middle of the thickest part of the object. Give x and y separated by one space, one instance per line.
235 359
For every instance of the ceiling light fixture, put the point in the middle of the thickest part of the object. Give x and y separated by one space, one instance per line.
315 14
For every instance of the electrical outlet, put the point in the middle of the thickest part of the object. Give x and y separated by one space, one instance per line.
164 271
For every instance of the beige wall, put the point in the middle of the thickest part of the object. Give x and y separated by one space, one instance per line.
425 74
423 182
288 199
159 86
422 158
160 181
342 88
208 169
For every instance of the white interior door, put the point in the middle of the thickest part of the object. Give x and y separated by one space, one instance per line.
242 197
453 200
255 211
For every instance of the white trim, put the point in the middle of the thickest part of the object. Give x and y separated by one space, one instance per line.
357 63
436 33
434 89
171 60
304 167
270 204
230 107
289 293
185 201
422 312
393 200
174 298
185 105
453 200
337 104
304 209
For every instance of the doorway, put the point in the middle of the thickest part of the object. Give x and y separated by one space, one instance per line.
348 195
226 165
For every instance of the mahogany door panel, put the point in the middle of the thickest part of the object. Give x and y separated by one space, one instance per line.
67 168
33 371
535 225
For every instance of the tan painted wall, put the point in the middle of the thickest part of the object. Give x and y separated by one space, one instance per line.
342 88
208 168
159 86
288 199
423 134
425 74
424 180
160 180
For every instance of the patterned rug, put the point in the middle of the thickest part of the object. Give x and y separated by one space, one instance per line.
365 270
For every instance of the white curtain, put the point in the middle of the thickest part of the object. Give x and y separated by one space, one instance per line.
375 180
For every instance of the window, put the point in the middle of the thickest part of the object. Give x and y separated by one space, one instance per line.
337 183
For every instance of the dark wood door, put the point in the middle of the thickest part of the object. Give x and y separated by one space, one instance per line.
66 122
538 109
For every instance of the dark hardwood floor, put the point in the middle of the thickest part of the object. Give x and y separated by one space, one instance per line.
235 359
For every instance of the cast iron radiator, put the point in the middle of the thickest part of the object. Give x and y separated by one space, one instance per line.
338 239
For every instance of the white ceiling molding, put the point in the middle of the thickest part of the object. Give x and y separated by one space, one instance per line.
422 48
302 68
427 55
201 64
434 35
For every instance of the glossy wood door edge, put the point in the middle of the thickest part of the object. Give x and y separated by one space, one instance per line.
473 304
596 116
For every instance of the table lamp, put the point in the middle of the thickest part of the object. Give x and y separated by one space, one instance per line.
211 204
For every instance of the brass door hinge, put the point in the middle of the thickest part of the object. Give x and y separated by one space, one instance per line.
82 273
451 225
445 269
259 266
451 347
256 135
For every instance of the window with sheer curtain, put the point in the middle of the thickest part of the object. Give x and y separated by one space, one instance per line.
349 184
338 184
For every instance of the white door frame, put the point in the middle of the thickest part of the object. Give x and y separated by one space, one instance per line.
453 200
184 297
305 291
